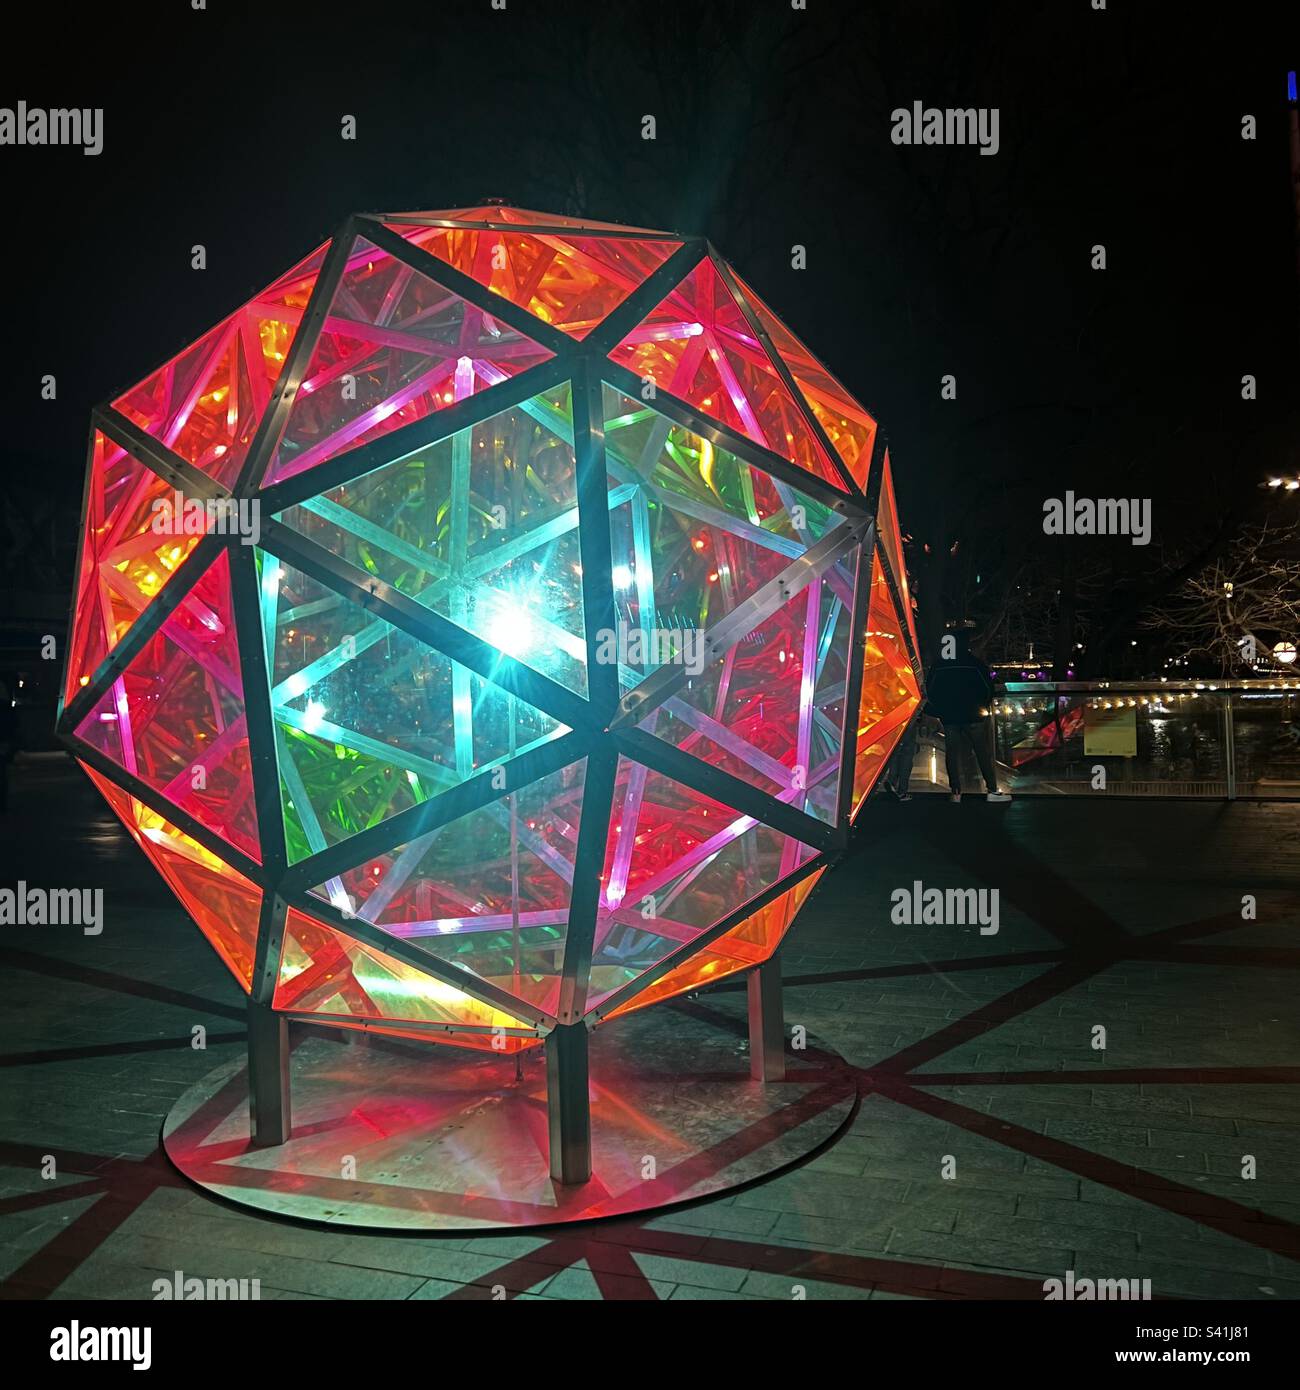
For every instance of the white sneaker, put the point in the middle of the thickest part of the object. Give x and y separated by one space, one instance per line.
955 796
998 796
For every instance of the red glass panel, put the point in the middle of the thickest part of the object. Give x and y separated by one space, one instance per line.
395 347
175 717
205 404
771 710
697 345
676 862
124 562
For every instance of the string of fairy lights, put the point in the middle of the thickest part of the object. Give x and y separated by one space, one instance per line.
1166 702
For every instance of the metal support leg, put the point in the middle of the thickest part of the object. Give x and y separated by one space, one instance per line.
270 1117
568 1104
1229 749
766 1022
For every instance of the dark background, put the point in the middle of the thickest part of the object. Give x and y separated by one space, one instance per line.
1123 127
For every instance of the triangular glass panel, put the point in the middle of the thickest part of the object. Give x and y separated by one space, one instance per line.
676 862
570 282
205 404
697 345
175 717
371 721
395 347
125 562
847 425
891 538
488 892
481 527
746 945
695 532
889 689
771 710
223 903
327 973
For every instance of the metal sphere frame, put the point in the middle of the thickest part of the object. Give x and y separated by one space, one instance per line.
677 394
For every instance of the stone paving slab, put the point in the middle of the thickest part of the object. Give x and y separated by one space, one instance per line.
994 1146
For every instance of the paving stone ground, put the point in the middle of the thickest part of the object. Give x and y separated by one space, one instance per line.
975 1057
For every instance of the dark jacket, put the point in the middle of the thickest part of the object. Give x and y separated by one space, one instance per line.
957 691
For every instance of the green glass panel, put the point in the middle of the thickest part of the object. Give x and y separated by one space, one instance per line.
369 720
488 892
481 527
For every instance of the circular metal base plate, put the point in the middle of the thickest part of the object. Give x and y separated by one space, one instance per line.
402 1137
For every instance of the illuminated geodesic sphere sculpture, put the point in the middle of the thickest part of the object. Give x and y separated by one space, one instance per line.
560 628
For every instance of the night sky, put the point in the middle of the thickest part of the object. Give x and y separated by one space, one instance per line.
773 129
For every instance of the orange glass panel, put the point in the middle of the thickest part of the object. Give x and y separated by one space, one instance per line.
698 345
224 904
892 539
124 562
747 944
889 688
570 282
848 426
323 971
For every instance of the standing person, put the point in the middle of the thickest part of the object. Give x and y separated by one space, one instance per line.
959 691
